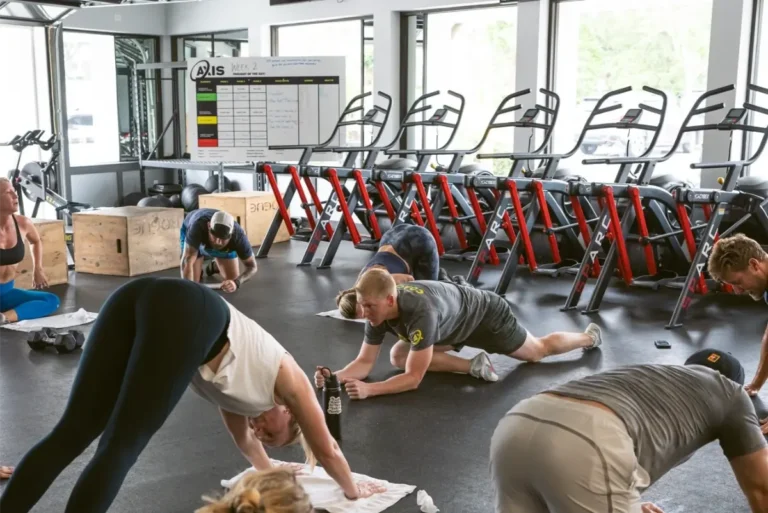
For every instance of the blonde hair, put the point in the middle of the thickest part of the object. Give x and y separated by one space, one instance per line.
270 491
376 283
346 300
299 438
733 254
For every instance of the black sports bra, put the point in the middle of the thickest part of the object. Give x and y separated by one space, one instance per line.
14 255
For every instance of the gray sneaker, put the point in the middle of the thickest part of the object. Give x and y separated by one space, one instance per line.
594 332
460 280
482 368
442 275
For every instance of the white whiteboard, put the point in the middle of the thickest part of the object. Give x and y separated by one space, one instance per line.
239 107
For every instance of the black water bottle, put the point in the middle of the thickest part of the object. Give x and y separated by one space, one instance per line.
332 403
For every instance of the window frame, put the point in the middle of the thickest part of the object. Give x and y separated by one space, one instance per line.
175 40
49 62
405 43
157 87
759 8
275 39
551 72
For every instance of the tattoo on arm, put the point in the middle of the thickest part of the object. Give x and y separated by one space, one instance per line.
187 263
247 274
250 270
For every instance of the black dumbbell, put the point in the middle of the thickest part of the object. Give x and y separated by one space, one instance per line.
42 339
68 342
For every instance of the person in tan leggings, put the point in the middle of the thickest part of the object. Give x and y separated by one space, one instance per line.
597 443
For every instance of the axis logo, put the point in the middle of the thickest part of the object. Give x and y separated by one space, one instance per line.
203 69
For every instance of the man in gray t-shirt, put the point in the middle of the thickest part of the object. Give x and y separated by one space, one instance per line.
600 441
431 318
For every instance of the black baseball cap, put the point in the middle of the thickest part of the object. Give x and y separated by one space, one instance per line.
725 363
222 224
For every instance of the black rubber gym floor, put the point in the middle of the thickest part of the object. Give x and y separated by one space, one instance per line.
436 438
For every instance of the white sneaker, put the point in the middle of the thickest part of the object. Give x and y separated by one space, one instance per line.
593 330
482 368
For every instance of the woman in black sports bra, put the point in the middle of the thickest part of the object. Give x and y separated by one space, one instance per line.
17 304
408 252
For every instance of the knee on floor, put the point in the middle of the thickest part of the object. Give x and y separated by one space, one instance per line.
53 300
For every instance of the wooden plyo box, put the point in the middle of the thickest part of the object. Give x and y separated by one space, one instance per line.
127 241
54 255
253 211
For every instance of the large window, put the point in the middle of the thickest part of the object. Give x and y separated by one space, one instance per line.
602 45
26 104
100 94
352 39
472 52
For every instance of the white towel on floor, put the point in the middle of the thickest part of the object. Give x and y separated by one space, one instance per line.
337 315
326 495
62 321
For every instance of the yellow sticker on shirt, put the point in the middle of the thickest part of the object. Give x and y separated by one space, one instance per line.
411 288
416 337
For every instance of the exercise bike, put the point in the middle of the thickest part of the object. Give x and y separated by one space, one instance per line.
38 182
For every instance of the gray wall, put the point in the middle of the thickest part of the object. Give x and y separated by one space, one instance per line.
142 19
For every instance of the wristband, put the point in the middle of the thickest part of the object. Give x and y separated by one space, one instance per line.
237 282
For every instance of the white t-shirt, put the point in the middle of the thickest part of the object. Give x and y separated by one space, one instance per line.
245 381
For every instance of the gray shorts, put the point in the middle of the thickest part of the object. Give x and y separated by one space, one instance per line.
499 332
553 454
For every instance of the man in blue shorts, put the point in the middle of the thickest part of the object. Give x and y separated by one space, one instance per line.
213 233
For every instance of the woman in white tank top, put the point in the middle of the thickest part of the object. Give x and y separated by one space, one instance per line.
153 339
266 399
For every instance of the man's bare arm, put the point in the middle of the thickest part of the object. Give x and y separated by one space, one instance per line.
752 474
250 270
188 259
762 369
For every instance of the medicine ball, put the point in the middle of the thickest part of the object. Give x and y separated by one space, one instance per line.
132 199
190 196
176 201
155 201
212 184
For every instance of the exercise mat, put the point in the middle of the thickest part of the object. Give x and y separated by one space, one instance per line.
61 321
326 495
335 314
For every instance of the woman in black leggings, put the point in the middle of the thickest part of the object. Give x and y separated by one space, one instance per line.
153 338
408 252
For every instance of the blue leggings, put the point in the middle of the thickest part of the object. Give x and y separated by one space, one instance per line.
29 304
416 245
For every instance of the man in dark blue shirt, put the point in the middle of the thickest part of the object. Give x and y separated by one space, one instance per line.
214 233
